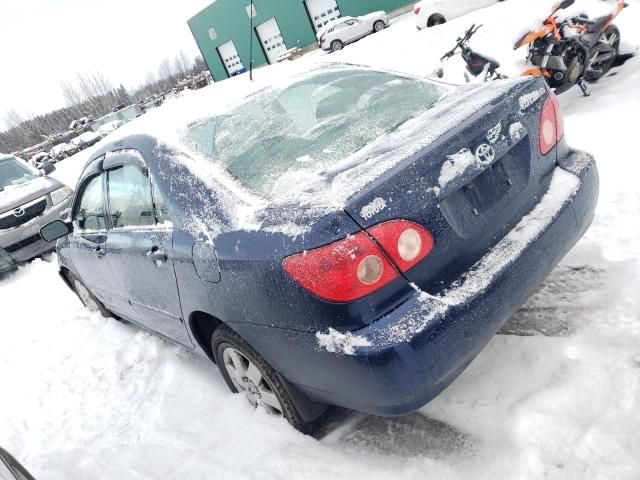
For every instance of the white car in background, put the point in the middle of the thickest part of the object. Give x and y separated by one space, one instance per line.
429 13
109 127
86 140
338 33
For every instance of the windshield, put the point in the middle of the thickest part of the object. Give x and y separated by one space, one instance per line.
13 172
310 125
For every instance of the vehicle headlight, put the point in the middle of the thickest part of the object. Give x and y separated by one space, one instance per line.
61 194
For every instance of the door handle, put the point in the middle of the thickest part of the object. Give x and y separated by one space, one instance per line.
100 252
157 255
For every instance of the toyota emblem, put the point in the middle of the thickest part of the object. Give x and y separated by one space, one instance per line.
485 153
18 212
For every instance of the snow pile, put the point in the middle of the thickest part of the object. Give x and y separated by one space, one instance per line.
345 343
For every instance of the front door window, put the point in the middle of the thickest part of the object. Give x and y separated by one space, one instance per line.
89 211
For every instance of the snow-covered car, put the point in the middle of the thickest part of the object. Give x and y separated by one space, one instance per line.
39 159
429 13
57 152
81 122
11 469
62 151
28 200
353 237
86 139
344 30
109 127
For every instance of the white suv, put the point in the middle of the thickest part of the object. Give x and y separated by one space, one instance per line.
429 13
336 34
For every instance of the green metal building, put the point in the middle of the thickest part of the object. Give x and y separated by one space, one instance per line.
222 30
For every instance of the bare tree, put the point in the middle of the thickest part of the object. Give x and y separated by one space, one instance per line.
182 63
13 119
71 94
91 93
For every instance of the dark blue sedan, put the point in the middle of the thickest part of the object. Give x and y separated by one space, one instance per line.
352 238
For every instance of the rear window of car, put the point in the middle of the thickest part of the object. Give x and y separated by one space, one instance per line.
311 124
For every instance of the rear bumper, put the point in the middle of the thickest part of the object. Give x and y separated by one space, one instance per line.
412 354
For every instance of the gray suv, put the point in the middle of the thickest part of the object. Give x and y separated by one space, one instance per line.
28 200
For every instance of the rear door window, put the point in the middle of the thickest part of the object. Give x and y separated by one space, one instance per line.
130 201
134 199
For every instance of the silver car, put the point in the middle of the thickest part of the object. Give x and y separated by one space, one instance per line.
28 200
336 34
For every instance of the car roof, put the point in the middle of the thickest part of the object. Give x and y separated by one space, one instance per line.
333 23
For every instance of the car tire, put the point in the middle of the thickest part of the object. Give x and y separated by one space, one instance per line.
378 26
436 19
86 297
253 377
336 45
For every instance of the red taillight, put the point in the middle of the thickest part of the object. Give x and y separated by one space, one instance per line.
342 271
322 39
356 266
551 124
406 243
417 11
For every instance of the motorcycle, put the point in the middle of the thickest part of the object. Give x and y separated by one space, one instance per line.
573 51
477 64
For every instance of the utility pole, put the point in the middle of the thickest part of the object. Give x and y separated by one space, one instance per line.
251 42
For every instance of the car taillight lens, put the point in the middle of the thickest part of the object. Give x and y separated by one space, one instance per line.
322 39
406 243
551 124
417 11
343 271
356 266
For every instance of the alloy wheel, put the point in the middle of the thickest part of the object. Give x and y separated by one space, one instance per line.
249 380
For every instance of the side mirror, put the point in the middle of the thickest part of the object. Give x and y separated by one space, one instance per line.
55 230
566 3
47 168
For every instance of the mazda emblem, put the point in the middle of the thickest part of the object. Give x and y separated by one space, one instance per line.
485 153
18 212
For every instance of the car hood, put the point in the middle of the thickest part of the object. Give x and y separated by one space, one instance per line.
14 196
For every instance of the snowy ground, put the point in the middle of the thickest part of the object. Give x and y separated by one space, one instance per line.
83 397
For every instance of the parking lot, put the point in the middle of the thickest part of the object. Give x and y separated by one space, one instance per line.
556 395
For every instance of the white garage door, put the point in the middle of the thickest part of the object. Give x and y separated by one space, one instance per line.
271 39
322 12
230 57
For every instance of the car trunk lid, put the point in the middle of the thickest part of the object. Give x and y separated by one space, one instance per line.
469 186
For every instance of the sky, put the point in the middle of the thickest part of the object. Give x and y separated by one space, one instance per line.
43 42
